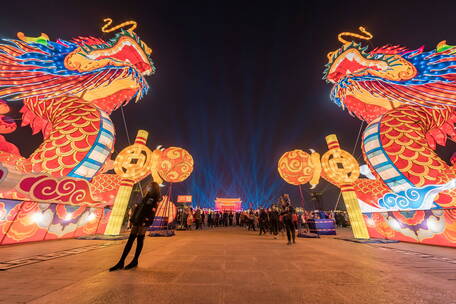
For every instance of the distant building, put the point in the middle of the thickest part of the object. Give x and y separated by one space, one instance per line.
228 204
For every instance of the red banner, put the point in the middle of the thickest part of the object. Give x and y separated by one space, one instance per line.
184 198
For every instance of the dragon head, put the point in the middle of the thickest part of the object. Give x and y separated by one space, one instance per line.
370 83
105 73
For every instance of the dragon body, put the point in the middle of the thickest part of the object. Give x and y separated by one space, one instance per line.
408 99
69 89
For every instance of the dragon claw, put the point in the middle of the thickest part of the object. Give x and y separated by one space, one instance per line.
439 135
431 141
448 129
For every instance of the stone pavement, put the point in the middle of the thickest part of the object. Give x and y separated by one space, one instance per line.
230 265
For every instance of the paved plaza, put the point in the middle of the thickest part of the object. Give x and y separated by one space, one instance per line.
229 265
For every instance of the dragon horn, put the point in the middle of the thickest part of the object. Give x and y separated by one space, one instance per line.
106 28
368 36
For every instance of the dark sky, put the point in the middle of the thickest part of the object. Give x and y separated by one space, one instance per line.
238 83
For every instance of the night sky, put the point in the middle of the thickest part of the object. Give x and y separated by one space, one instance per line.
237 83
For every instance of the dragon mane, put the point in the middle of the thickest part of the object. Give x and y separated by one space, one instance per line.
37 69
433 85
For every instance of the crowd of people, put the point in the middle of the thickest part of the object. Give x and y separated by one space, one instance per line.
279 217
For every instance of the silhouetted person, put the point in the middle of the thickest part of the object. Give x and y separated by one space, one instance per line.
141 218
209 219
198 220
190 219
251 221
274 222
203 218
287 214
217 219
225 218
262 221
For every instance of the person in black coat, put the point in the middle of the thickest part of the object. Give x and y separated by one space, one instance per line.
287 214
274 222
141 218
263 221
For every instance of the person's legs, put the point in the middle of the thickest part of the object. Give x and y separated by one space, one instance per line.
139 247
275 230
288 228
126 251
293 234
263 228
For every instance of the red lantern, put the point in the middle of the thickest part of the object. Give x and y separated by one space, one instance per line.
294 167
175 165
167 209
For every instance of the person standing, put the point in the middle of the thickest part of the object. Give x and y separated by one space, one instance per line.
262 222
217 218
209 219
141 218
305 225
230 218
287 216
255 219
242 219
184 218
198 220
338 219
274 222
190 219
225 218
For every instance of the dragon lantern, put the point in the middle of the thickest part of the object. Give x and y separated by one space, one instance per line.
68 89
408 99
